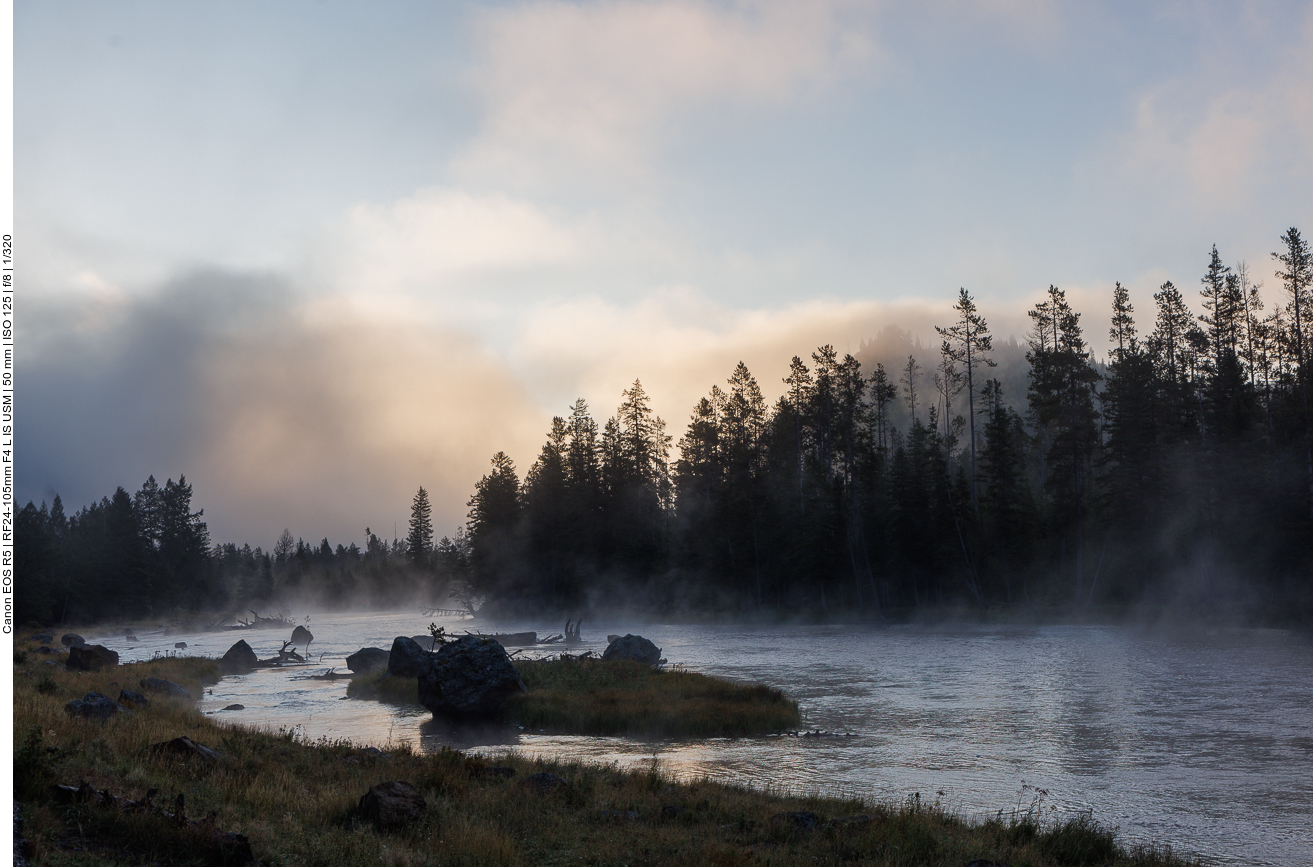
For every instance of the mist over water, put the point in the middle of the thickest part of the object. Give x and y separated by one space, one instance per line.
1198 738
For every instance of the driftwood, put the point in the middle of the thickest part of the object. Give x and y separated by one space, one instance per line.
285 656
258 622
573 636
331 674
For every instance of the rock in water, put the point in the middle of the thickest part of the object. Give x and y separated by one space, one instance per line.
301 635
91 657
392 805
634 647
240 658
367 659
72 638
180 645
471 676
164 687
406 658
95 706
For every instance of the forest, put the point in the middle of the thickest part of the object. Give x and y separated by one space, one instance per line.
1174 475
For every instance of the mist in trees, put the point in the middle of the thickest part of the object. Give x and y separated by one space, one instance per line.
1177 474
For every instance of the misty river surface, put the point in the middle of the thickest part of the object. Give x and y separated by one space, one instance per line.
1202 739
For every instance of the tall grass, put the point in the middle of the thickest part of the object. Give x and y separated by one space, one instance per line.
297 800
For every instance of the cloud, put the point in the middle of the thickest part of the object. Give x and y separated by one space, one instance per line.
1220 141
598 88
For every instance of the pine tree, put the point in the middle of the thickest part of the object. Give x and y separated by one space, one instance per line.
419 541
966 343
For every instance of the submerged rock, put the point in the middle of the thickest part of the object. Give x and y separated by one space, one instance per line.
634 647
471 676
392 804
367 659
406 657
91 657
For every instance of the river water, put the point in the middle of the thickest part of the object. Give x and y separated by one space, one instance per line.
1199 739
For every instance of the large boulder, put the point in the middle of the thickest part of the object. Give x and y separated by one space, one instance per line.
634 647
160 686
471 676
392 805
407 657
95 706
367 659
302 636
240 658
91 657
72 638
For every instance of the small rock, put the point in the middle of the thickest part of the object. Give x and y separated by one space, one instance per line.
43 637
164 687
672 811
130 637
180 645
235 707
544 783
44 649
240 658
849 822
373 753
634 647
368 659
185 748
91 657
72 638
406 657
95 706
132 699
803 821
392 805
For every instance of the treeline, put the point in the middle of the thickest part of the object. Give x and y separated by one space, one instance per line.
1179 473
149 554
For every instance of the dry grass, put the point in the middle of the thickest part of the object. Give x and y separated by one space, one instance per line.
296 802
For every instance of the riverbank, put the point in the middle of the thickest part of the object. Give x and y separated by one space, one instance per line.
296 802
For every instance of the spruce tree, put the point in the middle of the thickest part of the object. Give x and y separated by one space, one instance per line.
419 541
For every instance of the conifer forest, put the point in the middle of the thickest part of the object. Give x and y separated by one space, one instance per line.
1176 474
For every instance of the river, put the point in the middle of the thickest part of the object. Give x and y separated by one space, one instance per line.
1202 739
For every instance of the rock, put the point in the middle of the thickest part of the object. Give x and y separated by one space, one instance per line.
131 637
392 805
235 707
803 821
622 815
634 647
673 811
134 700
20 845
185 748
471 676
72 638
180 645
43 637
850 822
368 659
301 635
91 657
544 783
499 772
95 706
44 649
612 638
240 658
164 687
406 657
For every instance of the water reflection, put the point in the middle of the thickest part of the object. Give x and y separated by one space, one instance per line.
1201 740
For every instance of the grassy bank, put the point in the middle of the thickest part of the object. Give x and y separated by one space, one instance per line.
297 802
591 697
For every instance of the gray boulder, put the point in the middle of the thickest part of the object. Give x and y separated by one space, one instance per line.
471 676
239 658
302 636
634 647
392 804
132 699
180 645
72 638
43 637
367 659
406 657
160 686
91 657
95 706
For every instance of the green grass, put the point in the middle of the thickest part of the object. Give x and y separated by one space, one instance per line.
296 801
588 696
591 697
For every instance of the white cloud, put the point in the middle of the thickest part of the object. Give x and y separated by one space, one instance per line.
596 88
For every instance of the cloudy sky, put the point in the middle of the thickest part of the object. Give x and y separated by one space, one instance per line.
317 254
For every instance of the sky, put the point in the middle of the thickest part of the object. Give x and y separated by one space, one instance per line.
316 254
